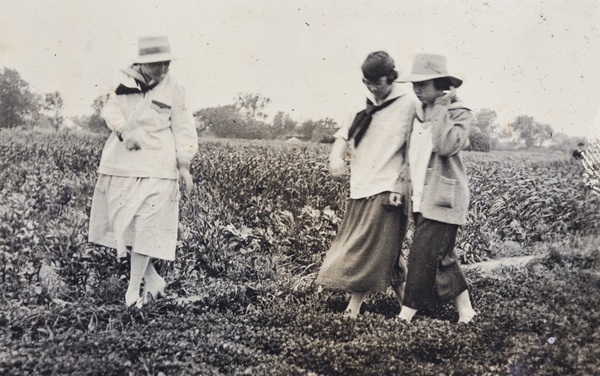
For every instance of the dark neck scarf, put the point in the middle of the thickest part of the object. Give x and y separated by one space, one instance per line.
143 86
363 119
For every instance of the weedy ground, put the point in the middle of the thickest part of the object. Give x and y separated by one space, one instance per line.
241 298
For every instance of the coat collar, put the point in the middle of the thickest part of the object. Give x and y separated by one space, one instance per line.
398 90
133 82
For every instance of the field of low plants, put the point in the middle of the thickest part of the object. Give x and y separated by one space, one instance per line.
241 298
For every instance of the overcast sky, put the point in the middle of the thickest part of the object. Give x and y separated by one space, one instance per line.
533 57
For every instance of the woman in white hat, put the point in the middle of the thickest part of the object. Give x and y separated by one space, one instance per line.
153 140
366 253
440 192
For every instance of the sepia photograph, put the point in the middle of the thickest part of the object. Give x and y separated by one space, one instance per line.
308 187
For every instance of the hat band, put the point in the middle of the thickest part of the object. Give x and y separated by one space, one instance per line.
430 71
153 50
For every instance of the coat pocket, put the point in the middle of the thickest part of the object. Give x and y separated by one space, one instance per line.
156 117
163 110
445 192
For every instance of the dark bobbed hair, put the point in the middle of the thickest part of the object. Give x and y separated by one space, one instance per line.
379 64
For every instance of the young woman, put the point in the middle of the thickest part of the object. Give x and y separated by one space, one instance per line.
440 192
153 140
365 255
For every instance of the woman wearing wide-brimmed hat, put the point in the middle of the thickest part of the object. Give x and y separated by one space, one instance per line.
440 192
153 140
366 253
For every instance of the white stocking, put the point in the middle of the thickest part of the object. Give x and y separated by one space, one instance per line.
139 263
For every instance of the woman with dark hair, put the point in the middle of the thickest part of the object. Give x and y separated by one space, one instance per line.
366 253
440 192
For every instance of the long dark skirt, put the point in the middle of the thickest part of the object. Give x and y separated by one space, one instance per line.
365 255
434 276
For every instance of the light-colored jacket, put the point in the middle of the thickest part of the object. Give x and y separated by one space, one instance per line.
162 123
445 195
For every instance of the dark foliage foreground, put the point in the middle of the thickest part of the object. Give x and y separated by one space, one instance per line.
541 319
240 298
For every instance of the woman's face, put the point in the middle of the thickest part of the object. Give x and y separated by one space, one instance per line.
426 91
380 89
156 71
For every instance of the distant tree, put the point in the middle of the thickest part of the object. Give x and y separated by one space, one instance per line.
221 121
479 141
321 130
255 130
231 121
307 128
283 124
324 130
485 120
95 122
18 105
52 106
327 123
482 134
98 103
505 132
251 105
532 132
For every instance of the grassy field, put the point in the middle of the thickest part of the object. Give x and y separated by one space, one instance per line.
241 298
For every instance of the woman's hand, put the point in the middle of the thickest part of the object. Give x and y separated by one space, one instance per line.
337 168
131 139
337 163
395 199
186 178
447 98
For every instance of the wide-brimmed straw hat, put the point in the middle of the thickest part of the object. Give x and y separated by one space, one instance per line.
429 67
153 50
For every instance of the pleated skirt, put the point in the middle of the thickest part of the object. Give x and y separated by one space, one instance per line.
141 213
366 253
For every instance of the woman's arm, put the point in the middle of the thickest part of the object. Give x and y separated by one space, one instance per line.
184 129
337 161
116 122
112 114
186 137
451 123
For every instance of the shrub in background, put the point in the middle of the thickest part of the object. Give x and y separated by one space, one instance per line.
479 141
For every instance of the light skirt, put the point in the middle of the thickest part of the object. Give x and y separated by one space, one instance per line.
365 255
141 213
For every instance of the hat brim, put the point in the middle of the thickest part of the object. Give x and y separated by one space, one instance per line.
456 82
153 58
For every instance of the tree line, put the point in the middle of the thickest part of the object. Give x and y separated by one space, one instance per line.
523 132
19 106
245 118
